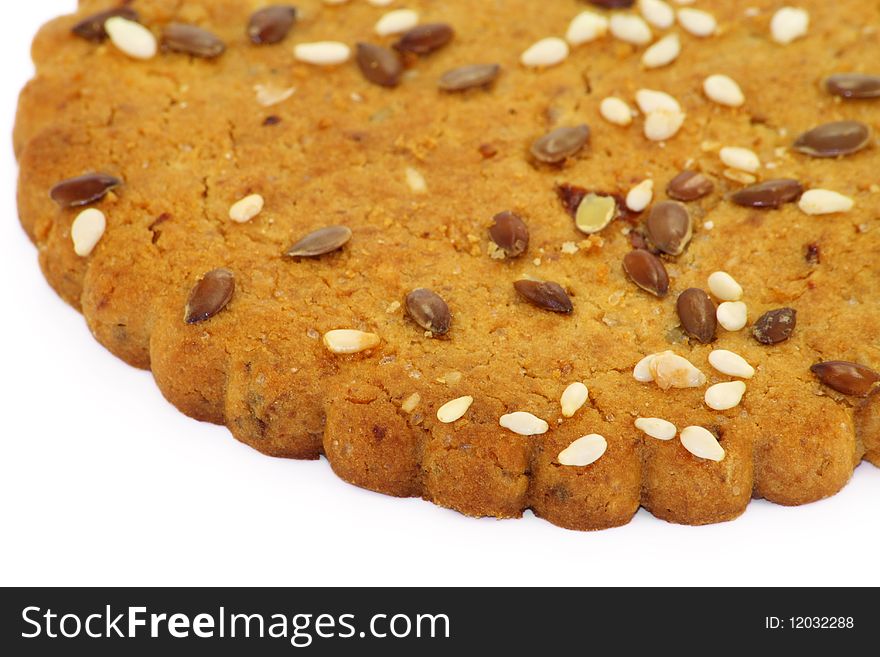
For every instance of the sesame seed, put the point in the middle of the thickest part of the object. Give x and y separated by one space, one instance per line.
349 341
662 53
698 22
322 53
584 451
789 24
824 201
740 158
732 315
416 181
724 286
545 53
574 397
723 90
396 22
246 209
454 410
702 443
524 424
87 230
269 94
616 111
585 27
657 13
724 396
132 38
640 196
656 428
663 124
650 100
631 29
730 363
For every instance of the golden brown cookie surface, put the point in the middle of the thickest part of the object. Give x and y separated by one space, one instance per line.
418 175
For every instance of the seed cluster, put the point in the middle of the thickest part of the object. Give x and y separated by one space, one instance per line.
661 237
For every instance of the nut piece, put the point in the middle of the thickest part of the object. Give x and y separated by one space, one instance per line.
574 397
87 230
397 21
640 196
647 271
616 111
834 139
662 53
320 242
853 85
768 194
192 40
669 227
702 443
429 310
415 181
469 77
560 144
584 451
381 66
585 27
271 24
510 234
322 53
673 371
723 90
349 341
83 190
824 201
697 314
454 410
656 428
733 315
595 212
525 424
209 296
270 94
132 38
789 24
545 295
247 208
698 22
689 186
545 53
409 404
775 326
425 39
630 28
724 396
847 378
731 364
724 287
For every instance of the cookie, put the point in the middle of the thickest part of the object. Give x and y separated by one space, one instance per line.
501 256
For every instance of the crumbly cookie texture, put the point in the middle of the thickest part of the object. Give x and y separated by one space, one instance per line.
292 320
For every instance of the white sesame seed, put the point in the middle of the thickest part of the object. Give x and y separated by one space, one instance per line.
525 424
709 225
349 341
546 52
702 443
732 315
650 100
397 21
669 370
585 27
616 111
584 451
698 22
322 53
246 209
269 94
661 125
376 3
824 201
132 38
639 197
656 428
574 397
731 364
416 181
789 24
724 396
630 28
740 158
87 230
723 90
724 286
339 2
454 410
642 370
657 13
662 53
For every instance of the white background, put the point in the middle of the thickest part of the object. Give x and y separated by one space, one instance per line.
103 483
